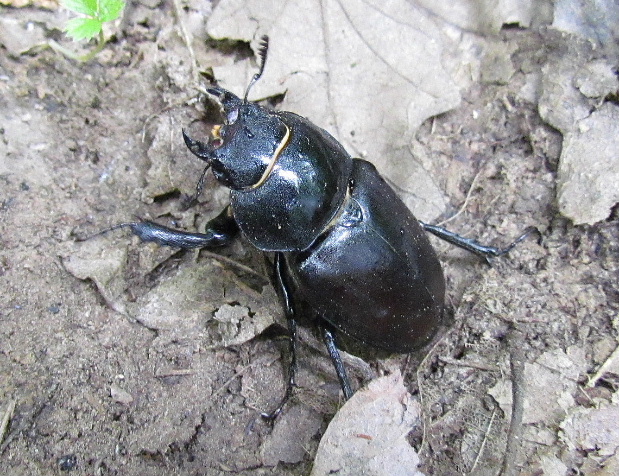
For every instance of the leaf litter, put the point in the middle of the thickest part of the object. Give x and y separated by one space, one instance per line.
445 103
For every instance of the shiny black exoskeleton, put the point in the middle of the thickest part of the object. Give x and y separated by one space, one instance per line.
344 242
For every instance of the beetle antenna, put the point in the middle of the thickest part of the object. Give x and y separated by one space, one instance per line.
262 53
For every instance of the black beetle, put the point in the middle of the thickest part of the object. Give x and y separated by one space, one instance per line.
345 244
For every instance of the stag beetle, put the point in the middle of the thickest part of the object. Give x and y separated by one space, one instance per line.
344 243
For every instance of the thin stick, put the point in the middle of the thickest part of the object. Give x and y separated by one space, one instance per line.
236 264
466 201
187 39
483 443
8 414
514 434
604 368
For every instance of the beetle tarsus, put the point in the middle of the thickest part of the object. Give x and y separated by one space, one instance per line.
471 245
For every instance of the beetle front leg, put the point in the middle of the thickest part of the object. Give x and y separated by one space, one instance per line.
473 246
282 288
220 231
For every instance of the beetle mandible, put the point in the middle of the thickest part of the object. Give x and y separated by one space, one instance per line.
344 243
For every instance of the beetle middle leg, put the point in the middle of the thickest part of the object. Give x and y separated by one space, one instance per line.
286 295
472 245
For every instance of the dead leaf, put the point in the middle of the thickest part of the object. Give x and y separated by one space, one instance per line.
104 266
573 89
550 383
488 16
291 436
589 167
192 304
195 304
368 435
552 466
593 429
369 73
596 21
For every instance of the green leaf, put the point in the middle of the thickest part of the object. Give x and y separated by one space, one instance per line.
85 7
111 9
83 28
104 10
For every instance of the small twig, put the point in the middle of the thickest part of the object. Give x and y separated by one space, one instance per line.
466 200
236 264
187 39
484 441
514 434
8 414
604 368
468 364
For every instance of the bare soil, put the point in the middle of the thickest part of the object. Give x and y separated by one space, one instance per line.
100 390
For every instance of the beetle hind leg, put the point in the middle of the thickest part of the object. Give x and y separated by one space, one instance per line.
336 358
473 246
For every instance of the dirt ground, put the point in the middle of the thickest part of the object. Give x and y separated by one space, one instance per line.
105 381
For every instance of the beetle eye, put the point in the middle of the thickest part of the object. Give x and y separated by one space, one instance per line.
248 133
233 115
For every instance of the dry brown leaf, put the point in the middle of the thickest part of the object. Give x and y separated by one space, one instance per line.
368 435
369 73
593 429
589 169
291 436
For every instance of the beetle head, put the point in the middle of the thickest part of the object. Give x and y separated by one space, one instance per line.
243 150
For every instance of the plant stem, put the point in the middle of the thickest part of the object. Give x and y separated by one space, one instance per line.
81 58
